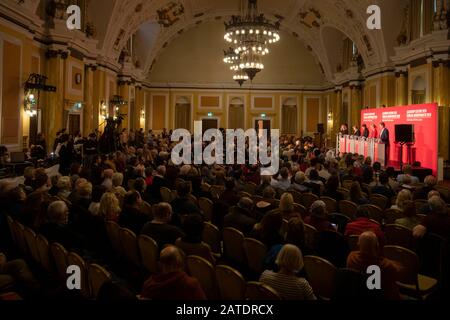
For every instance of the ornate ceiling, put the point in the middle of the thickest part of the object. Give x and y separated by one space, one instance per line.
156 23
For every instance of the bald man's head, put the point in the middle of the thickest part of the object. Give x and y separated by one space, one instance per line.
368 244
171 260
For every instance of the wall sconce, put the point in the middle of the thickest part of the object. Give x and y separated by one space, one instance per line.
30 104
330 117
210 114
143 113
33 87
117 101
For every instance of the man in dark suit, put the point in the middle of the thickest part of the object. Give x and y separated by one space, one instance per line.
384 137
365 131
356 131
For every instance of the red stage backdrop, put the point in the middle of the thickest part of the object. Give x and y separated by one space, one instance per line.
424 117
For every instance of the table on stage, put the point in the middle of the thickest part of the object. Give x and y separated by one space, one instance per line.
369 147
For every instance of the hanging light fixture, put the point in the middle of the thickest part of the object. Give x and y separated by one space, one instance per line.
233 59
251 34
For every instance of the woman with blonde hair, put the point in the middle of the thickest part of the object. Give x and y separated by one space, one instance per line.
285 281
403 196
64 186
287 206
109 207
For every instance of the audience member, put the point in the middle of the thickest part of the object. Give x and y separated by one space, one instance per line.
285 281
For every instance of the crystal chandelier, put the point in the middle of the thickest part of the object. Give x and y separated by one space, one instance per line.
233 59
250 35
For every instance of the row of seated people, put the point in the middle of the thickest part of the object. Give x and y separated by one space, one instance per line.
267 230
285 276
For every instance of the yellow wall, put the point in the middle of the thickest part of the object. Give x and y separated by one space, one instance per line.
161 102
21 56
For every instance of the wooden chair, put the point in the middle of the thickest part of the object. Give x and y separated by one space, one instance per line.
204 272
366 188
205 187
193 199
250 187
301 209
233 241
113 230
201 249
18 230
59 254
321 276
30 238
397 235
149 252
345 193
255 251
97 276
257 291
379 201
411 282
257 199
347 184
298 197
330 203
311 236
375 213
231 283
340 220
353 242
44 253
420 204
244 194
206 206
211 236
146 208
391 215
166 194
130 246
348 208
74 259
309 199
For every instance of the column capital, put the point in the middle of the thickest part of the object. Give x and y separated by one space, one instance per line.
54 53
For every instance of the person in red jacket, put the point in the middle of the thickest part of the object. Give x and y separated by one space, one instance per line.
369 255
363 223
172 283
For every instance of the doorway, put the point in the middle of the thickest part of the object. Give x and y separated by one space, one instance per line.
263 124
74 124
209 124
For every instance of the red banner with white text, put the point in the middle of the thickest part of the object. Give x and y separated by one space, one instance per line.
424 117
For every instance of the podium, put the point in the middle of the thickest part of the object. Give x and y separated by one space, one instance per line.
381 153
368 147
